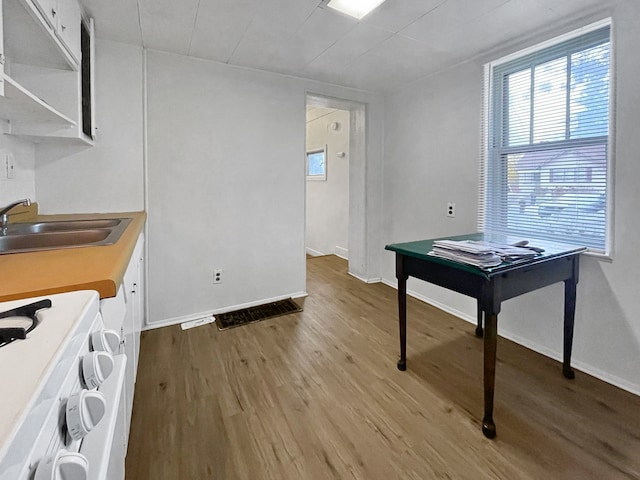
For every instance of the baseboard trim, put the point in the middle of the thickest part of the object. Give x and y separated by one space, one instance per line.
366 280
547 352
342 252
313 253
195 316
175 320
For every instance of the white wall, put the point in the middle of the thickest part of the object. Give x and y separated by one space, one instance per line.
432 140
108 177
23 184
327 206
226 184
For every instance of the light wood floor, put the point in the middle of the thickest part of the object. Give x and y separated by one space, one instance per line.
317 395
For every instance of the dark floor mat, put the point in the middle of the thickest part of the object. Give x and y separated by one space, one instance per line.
255 314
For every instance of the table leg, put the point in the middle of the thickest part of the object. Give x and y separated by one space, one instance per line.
479 327
402 316
569 317
490 344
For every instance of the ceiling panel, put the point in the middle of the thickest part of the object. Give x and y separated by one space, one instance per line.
396 61
576 7
394 15
321 30
516 19
287 15
460 40
267 46
449 16
355 43
281 51
168 25
219 27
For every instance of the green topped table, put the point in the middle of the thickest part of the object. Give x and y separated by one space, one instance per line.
490 286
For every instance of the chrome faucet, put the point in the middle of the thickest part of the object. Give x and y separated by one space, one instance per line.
4 218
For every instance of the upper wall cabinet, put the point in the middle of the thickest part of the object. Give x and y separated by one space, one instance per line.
64 17
48 72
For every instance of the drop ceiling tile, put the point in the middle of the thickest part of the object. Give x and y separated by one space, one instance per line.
267 48
395 62
576 7
167 25
219 27
356 42
507 24
321 30
278 50
449 16
285 15
503 24
394 15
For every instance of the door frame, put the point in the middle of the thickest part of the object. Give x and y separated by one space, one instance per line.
357 234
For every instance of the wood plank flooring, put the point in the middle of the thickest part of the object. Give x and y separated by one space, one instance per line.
317 395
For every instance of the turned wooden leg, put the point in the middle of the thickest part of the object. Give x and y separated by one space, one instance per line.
490 344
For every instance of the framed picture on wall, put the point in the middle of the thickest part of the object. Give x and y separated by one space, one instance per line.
317 164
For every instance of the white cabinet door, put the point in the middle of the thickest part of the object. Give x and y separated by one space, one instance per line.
64 17
132 287
123 313
49 10
68 26
138 297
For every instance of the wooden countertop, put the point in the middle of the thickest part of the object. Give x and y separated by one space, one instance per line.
101 268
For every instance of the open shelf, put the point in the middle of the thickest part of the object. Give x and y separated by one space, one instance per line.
22 107
50 140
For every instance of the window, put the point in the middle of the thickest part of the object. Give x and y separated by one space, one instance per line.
316 165
545 163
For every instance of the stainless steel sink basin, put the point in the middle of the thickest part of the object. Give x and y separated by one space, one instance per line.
31 237
63 226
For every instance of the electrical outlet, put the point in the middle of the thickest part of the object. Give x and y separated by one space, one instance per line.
217 276
11 165
451 209
4 165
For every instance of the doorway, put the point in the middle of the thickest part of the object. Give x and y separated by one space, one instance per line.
335 220
327 177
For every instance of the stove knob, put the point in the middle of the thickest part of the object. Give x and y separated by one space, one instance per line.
63 465
96 368
105 340
84 410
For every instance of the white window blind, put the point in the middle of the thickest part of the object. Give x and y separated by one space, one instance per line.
546 142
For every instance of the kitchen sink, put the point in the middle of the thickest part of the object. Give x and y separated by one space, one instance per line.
63 226
35 236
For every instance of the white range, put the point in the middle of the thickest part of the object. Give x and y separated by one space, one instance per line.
61 390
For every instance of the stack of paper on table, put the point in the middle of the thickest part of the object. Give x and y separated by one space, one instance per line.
479 253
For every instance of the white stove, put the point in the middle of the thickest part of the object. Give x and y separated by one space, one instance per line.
60 393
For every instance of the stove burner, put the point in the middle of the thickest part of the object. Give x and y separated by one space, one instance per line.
10 333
